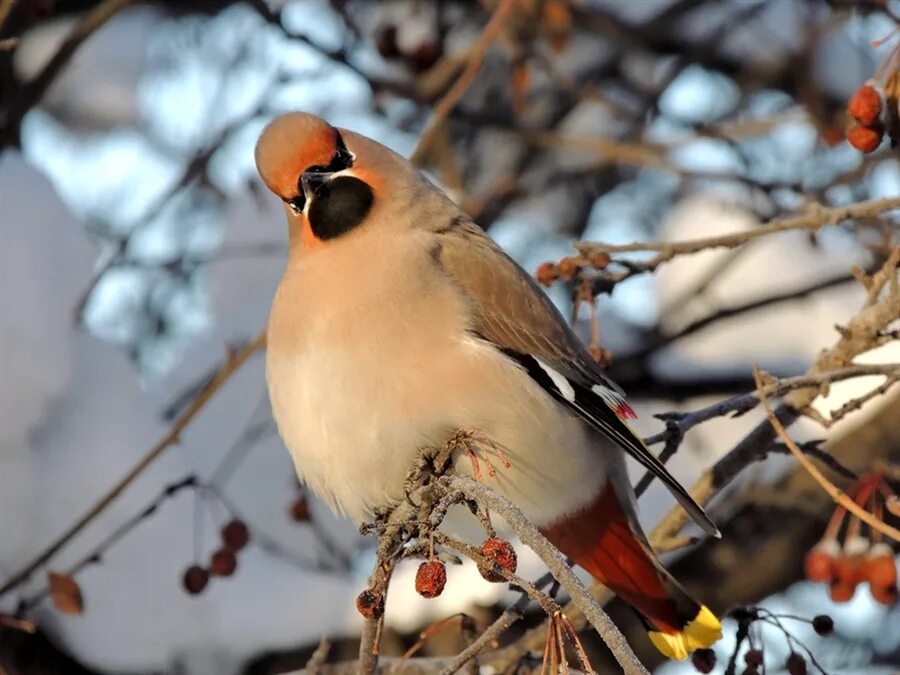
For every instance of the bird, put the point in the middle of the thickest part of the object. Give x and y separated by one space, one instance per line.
398 322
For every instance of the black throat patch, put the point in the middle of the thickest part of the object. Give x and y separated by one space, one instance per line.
339 206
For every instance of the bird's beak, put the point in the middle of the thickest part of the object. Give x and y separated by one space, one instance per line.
314 184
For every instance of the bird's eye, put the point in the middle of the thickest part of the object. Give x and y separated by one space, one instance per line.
296 203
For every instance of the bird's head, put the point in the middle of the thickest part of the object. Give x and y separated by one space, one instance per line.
331 180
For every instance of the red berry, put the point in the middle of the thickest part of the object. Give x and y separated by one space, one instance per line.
864 139
704 660
820 561
823 624
568 268
886 595
865 105
300 510
502 555
796 664
195 579
223 563
431 577
235 535
880 568
754 658
842 592
546 274
370 604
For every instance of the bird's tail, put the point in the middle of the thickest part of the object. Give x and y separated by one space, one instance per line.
604 540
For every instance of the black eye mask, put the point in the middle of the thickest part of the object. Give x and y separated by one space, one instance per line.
340 205
341 160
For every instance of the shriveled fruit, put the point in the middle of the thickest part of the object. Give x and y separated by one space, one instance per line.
502 555
795 664
370 604
431 577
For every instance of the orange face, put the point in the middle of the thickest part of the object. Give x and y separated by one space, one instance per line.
289 146
304 161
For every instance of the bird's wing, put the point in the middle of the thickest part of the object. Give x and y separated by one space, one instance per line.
513 313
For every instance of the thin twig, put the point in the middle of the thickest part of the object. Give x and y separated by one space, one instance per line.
33 91
476 58
529 535
833 491
231 366
814 219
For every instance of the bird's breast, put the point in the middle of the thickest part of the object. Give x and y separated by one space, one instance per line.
368 364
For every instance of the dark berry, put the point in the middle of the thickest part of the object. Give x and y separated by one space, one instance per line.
370 604
386 42
704 660
796 664
754 658
223 563
195 579
300 510
823 624
235 535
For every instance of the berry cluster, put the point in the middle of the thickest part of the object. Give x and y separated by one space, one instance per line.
865 110
568 268
431 577
704 660
874 108
223 563
845 558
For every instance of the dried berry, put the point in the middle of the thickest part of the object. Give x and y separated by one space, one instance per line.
370 604
600 260
502 555
754 658
795 664
865 139
195 579
842 592
546 274
823 624
300 510
820 561
865 105
886 595
223 563
704 660
235 535
431 577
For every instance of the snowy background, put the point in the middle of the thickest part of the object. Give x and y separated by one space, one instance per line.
122 282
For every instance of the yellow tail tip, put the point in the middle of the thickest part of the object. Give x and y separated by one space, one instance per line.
703 631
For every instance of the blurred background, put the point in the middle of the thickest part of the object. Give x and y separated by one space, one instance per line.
138 244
